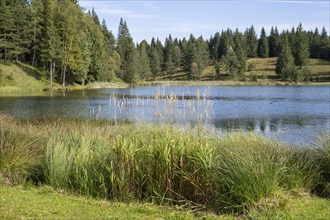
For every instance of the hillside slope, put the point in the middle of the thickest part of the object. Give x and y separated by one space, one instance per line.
20 77
264 71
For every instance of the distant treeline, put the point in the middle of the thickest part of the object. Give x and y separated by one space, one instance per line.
74 46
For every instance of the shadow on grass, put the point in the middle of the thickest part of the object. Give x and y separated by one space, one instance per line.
30 71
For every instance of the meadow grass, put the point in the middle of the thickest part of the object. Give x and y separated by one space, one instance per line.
159 164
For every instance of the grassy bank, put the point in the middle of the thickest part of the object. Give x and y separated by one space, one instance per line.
263 73
22 79
21 202
162 165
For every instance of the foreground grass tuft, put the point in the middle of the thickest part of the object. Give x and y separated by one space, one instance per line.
159 164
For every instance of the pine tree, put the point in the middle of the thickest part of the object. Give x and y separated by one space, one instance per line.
190 54
239 50
301 47
169 66
263 49
214 47
325 45
36 24
109 37
155 63
285 62
50 39
274 42
145 62
7 30
128 54
315 45
251 42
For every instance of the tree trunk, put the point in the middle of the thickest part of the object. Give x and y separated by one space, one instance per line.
34 47
64 75
51 78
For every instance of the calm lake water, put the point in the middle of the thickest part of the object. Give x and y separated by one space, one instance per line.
294 114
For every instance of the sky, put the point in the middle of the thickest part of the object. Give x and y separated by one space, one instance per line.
180 18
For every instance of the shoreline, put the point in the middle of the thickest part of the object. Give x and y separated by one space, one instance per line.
17 91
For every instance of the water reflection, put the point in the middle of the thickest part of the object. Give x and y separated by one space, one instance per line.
290 113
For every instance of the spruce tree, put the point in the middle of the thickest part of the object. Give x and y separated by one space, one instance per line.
50 39
169 66
285 62
301 47
128 54
155 63
7 30
251 42
239 50
325 45
144 61
315 45
274 42
263 49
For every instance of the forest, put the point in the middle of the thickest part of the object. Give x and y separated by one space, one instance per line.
73 46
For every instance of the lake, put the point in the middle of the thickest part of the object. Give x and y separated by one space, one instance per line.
294 114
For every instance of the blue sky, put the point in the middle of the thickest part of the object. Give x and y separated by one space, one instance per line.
159 18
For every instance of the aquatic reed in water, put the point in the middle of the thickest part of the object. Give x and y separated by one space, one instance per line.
159 108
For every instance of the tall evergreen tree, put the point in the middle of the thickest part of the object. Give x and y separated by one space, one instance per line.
315 44
128 54
50 39
144 61
239 50
251 42
169 66
325 45
285 62
7 30
274 42
214 47
263 49
301 47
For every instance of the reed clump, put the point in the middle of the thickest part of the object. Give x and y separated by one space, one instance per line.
162 164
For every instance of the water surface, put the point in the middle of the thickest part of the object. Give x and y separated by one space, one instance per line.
294 114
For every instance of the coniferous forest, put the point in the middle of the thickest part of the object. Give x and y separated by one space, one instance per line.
74 46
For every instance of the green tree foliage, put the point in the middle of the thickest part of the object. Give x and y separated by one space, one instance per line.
239 50
214 47
325 45
263 49
14 28
7 30
128 54
315 45
155 63
144 60
169 66
274 42
301 47
285 63
251 42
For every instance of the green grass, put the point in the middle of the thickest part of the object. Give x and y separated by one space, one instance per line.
46 203
158 164
264 71
22 79
21 202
